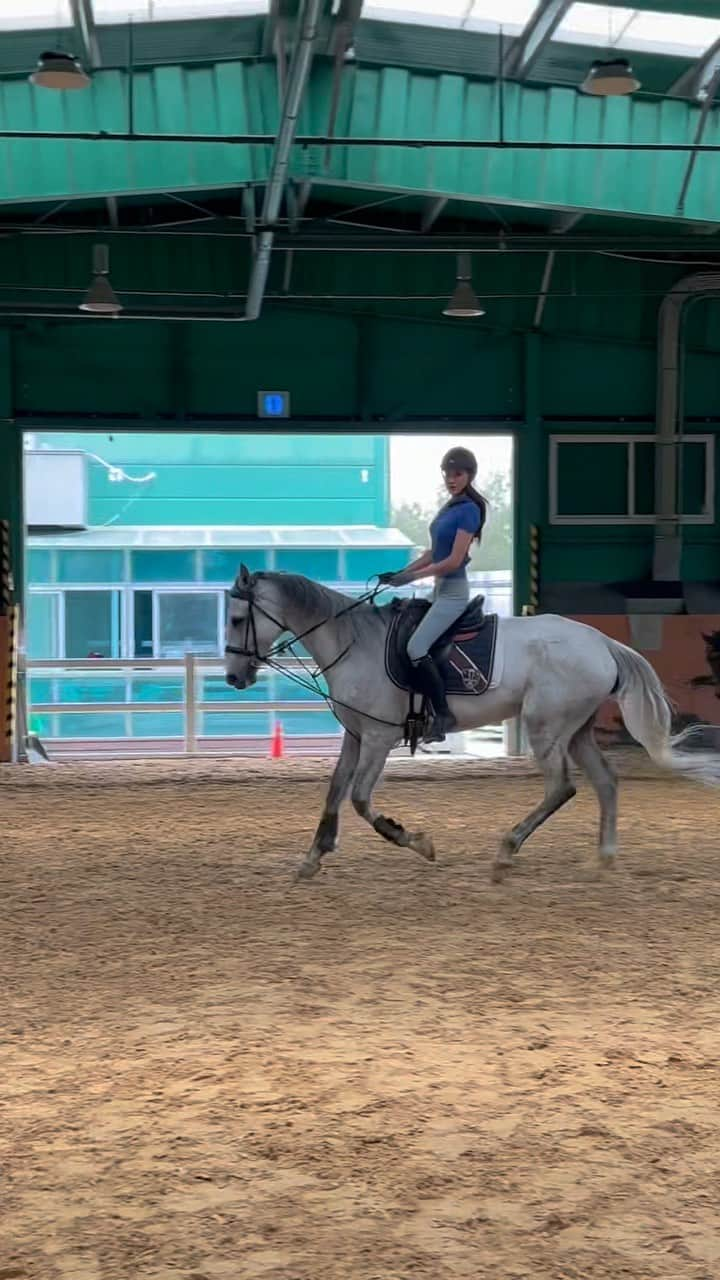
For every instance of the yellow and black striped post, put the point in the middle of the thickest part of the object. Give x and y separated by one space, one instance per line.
8 649
530 609
11 699
5 568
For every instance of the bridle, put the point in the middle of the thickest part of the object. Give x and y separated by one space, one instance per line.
240 591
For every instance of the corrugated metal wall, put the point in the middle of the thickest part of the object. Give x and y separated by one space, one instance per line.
241 97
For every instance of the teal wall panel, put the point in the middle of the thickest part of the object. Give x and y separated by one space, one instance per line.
247 479
311 563
99 567
240 97
40 566
598 379
163 566
223 566
79 725
580 555
157 724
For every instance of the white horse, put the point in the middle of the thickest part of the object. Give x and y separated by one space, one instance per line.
556 674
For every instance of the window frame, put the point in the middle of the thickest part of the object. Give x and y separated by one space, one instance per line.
707 515
175 588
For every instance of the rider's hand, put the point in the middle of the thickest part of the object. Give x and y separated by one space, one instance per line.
387 579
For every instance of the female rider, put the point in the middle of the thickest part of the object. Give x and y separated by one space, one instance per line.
452 531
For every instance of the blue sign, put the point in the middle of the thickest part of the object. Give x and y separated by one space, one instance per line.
273 404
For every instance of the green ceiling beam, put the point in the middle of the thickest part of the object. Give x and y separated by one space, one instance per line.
84 24
529 45
697 81
238 100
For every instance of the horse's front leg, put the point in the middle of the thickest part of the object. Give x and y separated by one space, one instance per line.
374 752
325 838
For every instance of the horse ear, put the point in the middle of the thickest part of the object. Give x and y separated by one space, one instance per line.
244 575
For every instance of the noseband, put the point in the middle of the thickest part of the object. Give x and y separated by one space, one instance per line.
239 592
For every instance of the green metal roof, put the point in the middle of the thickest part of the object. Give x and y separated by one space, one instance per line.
167 160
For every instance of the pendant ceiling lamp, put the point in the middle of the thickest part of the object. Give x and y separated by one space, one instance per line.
463 302
59 71
612 79
101 299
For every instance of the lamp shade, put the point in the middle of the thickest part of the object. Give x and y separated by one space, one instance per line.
463 302
59 71
613 79
101 299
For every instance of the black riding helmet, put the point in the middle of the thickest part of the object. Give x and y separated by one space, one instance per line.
460 459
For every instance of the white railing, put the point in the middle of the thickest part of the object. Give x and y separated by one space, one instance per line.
189 667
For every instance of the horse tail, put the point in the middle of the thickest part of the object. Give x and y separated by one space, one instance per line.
647 712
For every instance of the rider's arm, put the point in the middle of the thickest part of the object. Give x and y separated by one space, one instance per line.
424 567
422 562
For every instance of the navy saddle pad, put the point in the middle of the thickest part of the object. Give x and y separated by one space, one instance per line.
464 654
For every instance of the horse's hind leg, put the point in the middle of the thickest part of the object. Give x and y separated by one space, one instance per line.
552 759
325 838
373 754
588 757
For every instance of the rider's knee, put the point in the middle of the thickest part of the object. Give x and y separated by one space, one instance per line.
415 649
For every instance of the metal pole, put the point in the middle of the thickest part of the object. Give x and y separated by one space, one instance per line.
190 706
515 741
131 81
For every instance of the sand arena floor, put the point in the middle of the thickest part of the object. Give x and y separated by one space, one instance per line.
397 1072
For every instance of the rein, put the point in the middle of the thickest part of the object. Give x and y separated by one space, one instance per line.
311 681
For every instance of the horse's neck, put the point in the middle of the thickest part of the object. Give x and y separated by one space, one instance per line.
324 634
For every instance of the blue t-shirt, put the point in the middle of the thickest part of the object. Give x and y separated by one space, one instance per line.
463 514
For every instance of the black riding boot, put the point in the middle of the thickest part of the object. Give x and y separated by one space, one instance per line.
429 681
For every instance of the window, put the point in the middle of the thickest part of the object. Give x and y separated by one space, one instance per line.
163 566
187 622
43 629
311 563
614 27
611 479
21 15
89 566
92 624
223 566
39 566
172 10
167 623
478 15
143 624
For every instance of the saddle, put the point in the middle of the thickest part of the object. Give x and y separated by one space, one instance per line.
464 654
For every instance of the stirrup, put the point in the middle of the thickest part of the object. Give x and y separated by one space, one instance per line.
439 727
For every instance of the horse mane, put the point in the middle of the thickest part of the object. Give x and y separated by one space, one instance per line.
323 602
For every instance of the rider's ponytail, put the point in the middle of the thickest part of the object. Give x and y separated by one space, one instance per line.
481 503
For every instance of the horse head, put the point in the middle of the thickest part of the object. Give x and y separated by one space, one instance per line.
251 629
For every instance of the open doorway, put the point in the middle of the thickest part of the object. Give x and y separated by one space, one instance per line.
134 538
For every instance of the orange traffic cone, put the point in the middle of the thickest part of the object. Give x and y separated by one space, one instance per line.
277 742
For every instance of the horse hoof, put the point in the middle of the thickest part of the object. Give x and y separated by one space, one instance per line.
423 845
607 861
306 871
499 871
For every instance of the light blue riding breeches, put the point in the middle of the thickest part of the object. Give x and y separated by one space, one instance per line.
449 602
